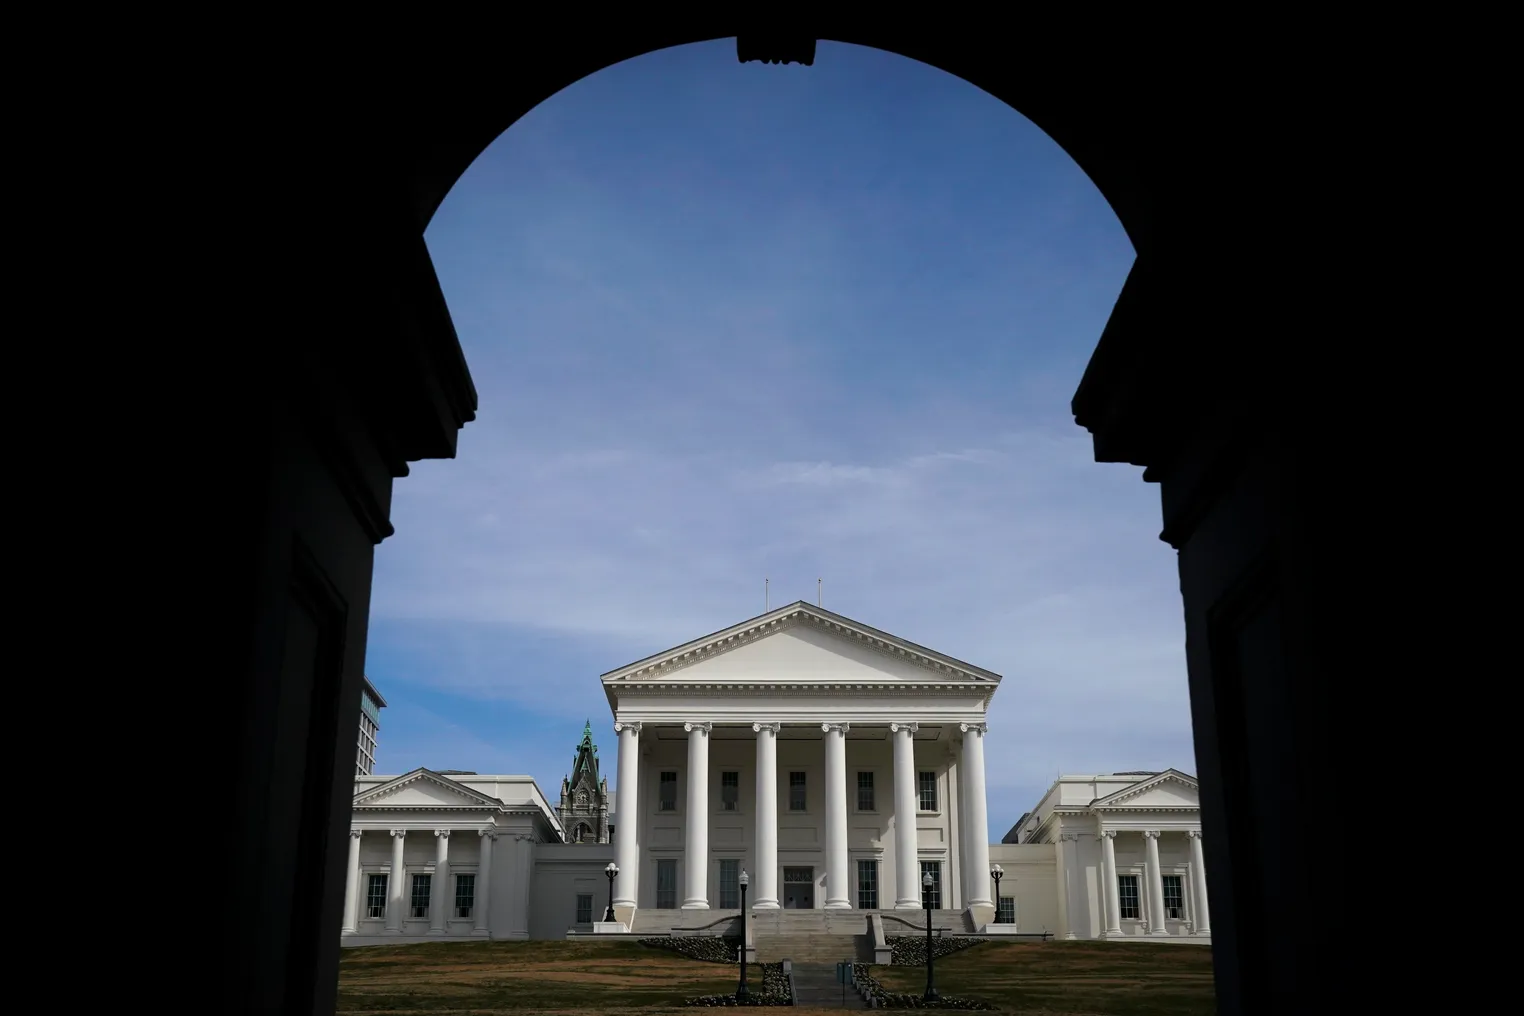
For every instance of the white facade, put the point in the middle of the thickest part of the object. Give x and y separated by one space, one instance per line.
836 764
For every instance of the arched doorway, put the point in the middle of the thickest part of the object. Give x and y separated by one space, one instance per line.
371 378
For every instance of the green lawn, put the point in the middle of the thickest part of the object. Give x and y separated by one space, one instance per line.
1073 978
540 977
607 978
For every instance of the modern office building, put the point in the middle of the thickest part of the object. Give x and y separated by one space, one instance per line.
371 704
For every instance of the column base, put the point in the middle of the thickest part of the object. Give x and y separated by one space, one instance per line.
436 931
1158 932
907 904
837 905
766 905
481 933
1112 933
695 905
1071 936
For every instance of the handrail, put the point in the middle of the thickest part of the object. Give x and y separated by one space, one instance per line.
916 927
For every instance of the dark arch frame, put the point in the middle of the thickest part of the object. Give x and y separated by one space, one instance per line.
372 377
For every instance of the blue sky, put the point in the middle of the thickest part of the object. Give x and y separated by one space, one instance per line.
730 322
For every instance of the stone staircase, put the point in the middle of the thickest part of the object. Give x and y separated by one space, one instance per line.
805 936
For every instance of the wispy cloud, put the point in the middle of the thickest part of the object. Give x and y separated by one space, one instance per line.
706 358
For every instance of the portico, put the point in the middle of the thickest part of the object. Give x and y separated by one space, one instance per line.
836 763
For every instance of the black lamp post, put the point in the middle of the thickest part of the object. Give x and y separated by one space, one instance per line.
612 871
931 983
741 988
997 873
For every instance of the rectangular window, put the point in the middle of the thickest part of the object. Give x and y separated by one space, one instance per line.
1005 910
730 791
867 885
465 895
927 783
796 795
1174 898
1127 896
584 908
666 792
730 884
865 792
666 883
375 896
421 886
934 869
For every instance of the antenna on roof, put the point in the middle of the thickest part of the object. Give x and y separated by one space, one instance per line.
767 596
817 592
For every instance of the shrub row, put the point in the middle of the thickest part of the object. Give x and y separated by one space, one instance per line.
708 948
880 998
773 989
910 950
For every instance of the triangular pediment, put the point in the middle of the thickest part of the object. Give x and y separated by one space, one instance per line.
423 788
1166 791
806 644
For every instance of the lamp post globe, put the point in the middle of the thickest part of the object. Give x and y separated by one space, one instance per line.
997 873
930 994
612 871
745 881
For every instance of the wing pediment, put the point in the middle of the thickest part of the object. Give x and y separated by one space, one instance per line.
424 789
1168 791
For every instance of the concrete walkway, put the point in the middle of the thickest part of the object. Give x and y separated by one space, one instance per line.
815 985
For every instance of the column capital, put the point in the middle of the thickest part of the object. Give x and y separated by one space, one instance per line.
356 833
757 728
838 728
981 728
1151 834
705 726
399 833
1068 837
1108 834
622 725
486 834
895 728
443 834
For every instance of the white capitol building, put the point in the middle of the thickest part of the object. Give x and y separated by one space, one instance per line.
837 765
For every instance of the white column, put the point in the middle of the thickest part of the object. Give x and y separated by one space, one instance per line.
907 873
978 825
483 900
396 891
524 919
696 855
1066 909
440 898
627 813
1199 885
838 892
764 880
351 885
1155 884
1109 873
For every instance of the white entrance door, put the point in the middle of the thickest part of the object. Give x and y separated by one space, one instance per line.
798 888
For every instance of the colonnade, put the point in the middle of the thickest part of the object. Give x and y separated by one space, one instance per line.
1153 873
441 891
764 880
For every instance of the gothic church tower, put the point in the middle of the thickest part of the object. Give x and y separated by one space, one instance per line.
584 807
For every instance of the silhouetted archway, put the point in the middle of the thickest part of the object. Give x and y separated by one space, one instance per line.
367 376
